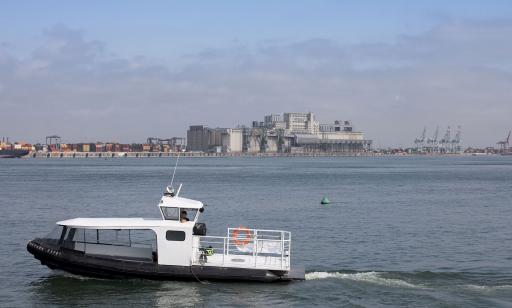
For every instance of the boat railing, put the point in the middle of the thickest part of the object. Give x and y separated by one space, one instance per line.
246 248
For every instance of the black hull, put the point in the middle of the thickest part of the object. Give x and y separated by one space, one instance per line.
13 153
107 267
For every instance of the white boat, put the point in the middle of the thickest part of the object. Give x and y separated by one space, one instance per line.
172 247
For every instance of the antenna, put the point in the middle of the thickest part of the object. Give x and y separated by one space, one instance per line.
175 166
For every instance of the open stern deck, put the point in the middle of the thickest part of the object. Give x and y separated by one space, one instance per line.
244 248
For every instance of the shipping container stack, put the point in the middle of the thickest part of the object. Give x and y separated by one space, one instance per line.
99 147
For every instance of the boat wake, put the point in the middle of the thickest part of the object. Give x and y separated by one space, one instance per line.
488 288
480 283
370 277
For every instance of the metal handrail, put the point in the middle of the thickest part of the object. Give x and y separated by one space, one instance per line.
254 249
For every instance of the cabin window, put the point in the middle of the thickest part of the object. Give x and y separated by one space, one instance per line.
56 233
175 235
171 213
125 243
189 214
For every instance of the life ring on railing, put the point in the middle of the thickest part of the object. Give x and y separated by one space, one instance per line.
243 241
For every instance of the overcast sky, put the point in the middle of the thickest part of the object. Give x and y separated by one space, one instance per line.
123 71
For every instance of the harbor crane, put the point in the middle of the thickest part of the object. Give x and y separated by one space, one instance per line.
153 140
504 144
169 141
420 142
56 141
445 142
443 145
176 143
455 143
432 143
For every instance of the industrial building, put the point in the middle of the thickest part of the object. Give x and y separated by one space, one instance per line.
221 140
287 133
198 138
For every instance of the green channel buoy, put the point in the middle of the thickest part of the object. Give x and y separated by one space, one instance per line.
325 200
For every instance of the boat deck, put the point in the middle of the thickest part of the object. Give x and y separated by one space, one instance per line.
245 261
253 248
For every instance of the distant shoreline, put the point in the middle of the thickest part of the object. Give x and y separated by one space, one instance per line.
99 155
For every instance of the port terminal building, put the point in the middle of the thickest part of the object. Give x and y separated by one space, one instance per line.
286 133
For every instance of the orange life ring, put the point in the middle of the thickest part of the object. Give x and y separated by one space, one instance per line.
244 241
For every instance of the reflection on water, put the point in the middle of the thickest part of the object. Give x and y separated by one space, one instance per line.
64 289
183 294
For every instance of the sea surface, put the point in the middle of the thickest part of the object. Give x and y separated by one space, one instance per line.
400 231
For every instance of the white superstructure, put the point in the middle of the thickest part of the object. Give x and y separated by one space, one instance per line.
181 240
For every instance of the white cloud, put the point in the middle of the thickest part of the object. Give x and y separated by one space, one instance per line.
457 73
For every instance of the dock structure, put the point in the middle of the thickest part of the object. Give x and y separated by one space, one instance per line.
287 134
120 155
102 154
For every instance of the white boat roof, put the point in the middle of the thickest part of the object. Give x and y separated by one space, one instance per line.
180 202
119 222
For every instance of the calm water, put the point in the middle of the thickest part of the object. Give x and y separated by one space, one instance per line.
400 232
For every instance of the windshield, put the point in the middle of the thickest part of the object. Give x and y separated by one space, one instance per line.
55 234
181 214
170 213
188 214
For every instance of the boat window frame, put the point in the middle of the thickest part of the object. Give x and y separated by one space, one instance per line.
63 235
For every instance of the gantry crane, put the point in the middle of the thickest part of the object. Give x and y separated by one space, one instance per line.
504 144
455 144
432 143
420 142
445 142
56 142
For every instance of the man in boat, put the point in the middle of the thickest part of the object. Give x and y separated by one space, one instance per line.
183 216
